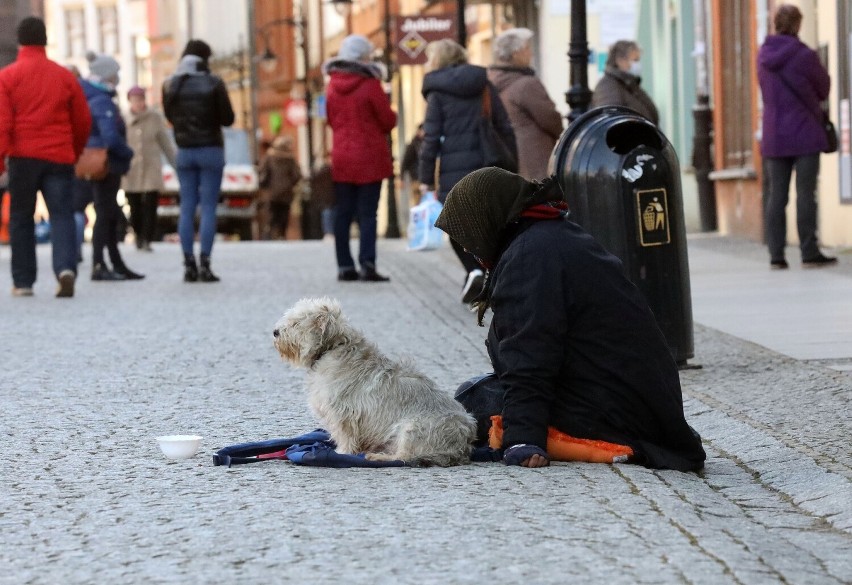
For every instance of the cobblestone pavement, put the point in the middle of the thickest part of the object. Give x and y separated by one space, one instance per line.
86 496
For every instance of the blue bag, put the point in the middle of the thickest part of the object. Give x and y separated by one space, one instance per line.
422 233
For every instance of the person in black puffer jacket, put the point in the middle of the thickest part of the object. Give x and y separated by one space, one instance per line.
196 103
454 90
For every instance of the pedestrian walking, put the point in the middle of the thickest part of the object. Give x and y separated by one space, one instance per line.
621 82
533 115
279 173
793 82
143 183
197 105
454 91
573 342
44 125
109 132
360 117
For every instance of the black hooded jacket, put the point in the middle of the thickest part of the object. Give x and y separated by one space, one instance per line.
451 127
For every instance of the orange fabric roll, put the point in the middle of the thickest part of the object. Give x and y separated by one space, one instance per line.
562 447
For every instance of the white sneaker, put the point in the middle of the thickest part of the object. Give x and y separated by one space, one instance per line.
473 286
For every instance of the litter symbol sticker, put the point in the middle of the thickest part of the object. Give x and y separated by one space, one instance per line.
652 211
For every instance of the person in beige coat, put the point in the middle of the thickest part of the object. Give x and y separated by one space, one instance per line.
143 183
620 84
533 115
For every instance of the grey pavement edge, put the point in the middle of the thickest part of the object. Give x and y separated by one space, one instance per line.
88 383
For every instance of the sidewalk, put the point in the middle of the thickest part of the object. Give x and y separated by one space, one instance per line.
88 383
802 313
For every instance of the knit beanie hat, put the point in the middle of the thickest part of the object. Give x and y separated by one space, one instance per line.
103 67
483 203
355 48
31 31
198 48
136 91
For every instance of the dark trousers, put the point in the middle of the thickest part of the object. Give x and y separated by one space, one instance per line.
105 230
779 172
27 176
143 215
356 202
279 219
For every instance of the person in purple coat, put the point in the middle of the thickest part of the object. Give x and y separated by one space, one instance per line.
793 82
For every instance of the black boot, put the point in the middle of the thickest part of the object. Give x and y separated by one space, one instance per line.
204 272
122 269
190 270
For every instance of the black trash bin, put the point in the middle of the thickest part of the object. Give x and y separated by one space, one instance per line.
621 179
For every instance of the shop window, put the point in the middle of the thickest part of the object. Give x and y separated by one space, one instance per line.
75 32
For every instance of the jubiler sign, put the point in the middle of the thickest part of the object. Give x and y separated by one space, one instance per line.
413 33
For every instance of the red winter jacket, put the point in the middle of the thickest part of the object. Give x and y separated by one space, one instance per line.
43 112
360 116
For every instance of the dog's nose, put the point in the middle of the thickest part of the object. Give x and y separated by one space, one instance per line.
274 333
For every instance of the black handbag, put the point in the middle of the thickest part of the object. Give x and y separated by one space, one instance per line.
495 153
830 133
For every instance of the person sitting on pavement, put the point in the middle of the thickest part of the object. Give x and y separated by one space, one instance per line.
572 340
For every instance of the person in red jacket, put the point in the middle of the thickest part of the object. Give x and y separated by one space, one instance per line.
44 125
360 117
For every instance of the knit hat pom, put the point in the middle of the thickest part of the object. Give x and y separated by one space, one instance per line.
103 67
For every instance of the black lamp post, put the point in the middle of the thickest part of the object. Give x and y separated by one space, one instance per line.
268 60
578 95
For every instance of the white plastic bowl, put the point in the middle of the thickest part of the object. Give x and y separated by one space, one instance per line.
179 446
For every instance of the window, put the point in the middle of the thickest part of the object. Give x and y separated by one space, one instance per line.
736 84
75 32
108 29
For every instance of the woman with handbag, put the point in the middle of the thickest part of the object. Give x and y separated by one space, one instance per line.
793 82
462 106
108 135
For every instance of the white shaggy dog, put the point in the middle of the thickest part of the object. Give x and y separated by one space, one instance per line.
368 402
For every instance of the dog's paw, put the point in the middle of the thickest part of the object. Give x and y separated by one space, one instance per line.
380 457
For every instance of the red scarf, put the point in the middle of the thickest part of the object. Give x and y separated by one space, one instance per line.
549 210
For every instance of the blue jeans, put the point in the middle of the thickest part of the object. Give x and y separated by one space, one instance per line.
199 172
27 176
353 201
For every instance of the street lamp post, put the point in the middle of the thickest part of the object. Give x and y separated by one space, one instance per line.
578 95
268 58
393 215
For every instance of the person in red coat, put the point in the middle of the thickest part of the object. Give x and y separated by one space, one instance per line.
44 125
360 117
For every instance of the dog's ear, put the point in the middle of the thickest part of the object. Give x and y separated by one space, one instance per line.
327 316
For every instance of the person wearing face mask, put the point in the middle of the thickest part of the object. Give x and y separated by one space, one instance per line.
620 84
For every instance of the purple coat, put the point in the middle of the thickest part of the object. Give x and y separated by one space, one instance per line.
792 123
